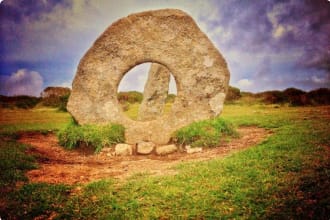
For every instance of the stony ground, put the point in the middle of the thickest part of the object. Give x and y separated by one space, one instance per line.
57 165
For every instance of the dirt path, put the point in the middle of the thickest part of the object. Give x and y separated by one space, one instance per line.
57 165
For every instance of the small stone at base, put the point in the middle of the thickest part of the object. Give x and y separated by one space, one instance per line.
145 147
192 150
123 150
166 149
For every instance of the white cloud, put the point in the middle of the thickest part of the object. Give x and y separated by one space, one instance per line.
23 82
318 80
245 83
278 31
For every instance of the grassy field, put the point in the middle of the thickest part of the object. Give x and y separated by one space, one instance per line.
284 177
37 119
133 110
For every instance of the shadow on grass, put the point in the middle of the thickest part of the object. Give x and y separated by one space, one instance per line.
308 198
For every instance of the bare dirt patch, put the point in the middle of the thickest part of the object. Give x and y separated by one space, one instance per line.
57 165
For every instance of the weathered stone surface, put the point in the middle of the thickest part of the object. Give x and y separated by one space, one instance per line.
169 37
145 147
123 150
166 149
192 150
155 93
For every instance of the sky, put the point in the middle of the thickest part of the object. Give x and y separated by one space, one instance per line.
268 44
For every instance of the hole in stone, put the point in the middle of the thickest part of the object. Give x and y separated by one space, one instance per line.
147 91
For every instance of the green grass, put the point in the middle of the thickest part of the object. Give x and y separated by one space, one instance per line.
18 198
207 133
133 109
37 119
284 177
94 136
249 184
37 199
13 162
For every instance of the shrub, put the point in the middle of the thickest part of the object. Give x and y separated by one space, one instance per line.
51 101
59 102
295 97
273 97
63 102
233 94
289 92
56 97
319 96
25 102
207 133
55 91
95 136
131 97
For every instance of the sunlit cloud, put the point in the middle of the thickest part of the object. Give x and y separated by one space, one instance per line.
23 82
245 83
318 80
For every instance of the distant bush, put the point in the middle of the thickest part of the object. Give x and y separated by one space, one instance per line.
63 102
59 102
95 136
56 97
319 96
233 94
25 102
291 92
290 96
296 97
55 91
51 101
130 97
272 97
207 133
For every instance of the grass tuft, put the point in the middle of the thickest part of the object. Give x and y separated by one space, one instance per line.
207 133
95 136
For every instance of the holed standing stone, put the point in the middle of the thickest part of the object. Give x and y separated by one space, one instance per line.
169 37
